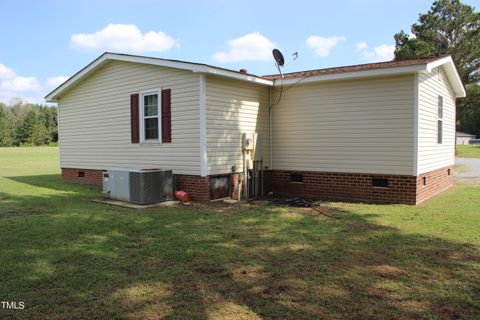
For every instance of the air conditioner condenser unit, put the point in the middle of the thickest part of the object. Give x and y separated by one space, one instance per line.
139 186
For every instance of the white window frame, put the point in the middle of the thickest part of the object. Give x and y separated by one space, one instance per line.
440 119
142 116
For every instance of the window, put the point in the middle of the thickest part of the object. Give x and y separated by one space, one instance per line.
379 183
150 124
151 116
81 174
440 120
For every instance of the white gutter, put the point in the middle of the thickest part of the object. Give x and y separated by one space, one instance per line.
446 63
355 74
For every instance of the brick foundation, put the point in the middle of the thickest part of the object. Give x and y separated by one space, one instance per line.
234 178
358 187
198 187
437 181
319 185
91 177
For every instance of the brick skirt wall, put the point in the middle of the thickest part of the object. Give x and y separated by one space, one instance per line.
437 181
198 187
91 177
318 185
358 187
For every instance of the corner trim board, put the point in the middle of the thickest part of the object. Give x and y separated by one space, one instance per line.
203 127
416 112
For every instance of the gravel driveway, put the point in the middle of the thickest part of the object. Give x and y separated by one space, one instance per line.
469 167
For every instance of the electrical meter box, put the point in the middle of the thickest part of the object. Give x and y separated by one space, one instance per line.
251 141
248 141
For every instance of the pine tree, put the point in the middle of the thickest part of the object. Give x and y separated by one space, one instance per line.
460 24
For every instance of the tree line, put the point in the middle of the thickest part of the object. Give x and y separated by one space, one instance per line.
27 124
450 27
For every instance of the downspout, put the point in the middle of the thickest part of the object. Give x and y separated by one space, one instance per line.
270 139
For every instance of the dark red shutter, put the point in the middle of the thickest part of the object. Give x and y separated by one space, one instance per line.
134 118
166 116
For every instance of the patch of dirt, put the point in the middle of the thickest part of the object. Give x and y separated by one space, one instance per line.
212 270
228 310
250 275
361 226
390 272
465 256
331 291
283 290
145 300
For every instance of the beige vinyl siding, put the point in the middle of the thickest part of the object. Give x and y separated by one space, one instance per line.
233 107
94 120
364 126
432 155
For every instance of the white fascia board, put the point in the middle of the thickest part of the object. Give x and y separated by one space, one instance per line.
452 73
230 74
52 96
154 61
191 67
432 65
356 74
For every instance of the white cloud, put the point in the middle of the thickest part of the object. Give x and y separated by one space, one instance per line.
15 88
19 84
6 73
362 46
56 81
250 47
383 52
323 45
13 98
124 38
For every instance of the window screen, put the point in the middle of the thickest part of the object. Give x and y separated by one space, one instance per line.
150 116
440 120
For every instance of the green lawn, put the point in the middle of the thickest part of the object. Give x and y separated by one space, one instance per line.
468 151
68 258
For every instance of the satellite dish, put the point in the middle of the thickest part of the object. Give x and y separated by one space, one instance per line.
278 56
443 41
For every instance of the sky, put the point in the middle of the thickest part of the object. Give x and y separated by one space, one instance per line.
42 43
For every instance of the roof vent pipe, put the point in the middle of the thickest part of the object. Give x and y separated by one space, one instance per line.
243 71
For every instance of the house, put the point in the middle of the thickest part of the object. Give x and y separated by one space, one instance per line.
380 132
464 138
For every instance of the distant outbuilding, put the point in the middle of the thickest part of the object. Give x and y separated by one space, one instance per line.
464 138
